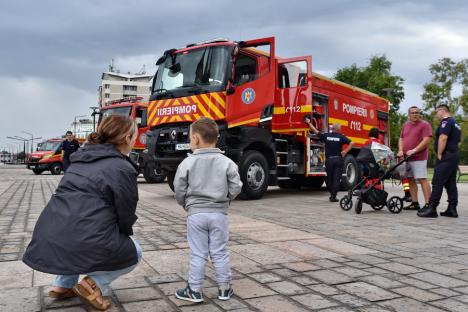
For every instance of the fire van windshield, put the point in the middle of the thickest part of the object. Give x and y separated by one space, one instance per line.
122 111
49 146
194 71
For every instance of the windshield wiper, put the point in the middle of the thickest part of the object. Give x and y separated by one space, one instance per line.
196 88
162 92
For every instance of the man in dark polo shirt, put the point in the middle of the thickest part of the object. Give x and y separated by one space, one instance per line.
334 155
448 136
69 146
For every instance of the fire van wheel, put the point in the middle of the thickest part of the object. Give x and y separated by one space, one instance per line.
254 175
351 173
395 204
38 171
56 168
153 175
170 179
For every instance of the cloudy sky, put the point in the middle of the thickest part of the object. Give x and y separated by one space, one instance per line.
52 52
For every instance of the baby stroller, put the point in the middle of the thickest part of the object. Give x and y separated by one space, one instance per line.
377 164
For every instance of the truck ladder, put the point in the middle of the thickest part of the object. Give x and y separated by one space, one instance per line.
281 156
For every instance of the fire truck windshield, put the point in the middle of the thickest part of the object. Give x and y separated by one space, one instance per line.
122 111
49 146
203 69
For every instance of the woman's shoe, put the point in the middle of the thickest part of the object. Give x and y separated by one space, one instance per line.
68 293
91 297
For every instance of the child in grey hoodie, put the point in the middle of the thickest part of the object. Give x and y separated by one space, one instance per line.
205 183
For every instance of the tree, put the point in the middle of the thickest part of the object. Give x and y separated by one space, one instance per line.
377 78
448 75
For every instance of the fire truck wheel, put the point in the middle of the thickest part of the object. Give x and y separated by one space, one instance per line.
153 175
253 171
56 168
351 173
170 179
38 171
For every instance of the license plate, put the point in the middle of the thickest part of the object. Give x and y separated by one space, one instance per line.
182 147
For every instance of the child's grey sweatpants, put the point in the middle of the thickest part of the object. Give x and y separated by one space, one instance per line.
208 235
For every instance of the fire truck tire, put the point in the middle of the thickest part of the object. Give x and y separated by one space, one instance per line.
351 173
170 179
153 175
38 171
56 168
253 171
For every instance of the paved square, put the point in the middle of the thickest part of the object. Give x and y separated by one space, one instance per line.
290 251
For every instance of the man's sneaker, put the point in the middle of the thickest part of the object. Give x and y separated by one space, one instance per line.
412 206
407 198
333 199
423 207
225 294
188 294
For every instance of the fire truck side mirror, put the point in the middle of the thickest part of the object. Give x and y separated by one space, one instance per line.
161 60
230 90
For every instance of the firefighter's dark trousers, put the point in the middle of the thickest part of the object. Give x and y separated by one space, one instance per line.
445 175
334 168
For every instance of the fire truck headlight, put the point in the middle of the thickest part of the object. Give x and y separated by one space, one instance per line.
142 138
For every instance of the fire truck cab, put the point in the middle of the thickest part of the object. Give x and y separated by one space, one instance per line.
259 102
137 110
47 157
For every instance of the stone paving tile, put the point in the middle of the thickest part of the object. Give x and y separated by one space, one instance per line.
353 272
416 293
381 281
137 294
231 304
147 306
438 279
451 305
246 288
352 301
70 309
274 304
314 302
304 280
264 254
325 289
399 268
200 308
288 288
301 266
265 277
20 299
407 305
367 291
304 250
330 277
445 292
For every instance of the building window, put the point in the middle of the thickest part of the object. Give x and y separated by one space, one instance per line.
106 95
106 86
129 88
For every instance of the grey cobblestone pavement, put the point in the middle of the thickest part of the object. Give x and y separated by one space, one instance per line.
290 251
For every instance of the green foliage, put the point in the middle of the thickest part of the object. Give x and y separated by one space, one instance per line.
446 76
377 78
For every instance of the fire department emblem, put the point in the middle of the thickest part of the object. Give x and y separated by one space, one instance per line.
248 96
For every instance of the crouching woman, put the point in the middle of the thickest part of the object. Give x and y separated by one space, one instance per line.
86 228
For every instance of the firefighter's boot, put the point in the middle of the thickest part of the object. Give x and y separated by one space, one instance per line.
450 212
429 211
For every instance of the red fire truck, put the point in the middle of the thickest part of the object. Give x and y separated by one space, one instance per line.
259 102
136 109
47 157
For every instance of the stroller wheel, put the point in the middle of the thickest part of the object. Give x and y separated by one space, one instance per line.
346 203
395 204
358 205
378 207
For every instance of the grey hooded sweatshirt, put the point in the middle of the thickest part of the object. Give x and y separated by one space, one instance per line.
206 181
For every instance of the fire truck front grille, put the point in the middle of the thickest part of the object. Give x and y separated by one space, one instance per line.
172 140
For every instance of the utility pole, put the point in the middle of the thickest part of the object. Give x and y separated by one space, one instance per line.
94 113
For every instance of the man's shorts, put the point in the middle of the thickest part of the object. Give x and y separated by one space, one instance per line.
418 169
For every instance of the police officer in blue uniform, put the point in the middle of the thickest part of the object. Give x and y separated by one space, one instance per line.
69 146
448 136
334 155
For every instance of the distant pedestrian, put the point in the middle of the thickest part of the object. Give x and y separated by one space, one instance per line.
87 225
69 146
205 183
414 140
448 136
334 155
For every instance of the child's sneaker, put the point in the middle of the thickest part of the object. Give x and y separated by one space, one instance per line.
225 294
188 294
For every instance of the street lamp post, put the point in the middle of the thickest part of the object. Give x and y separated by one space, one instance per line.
32 139
94 113
24 144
